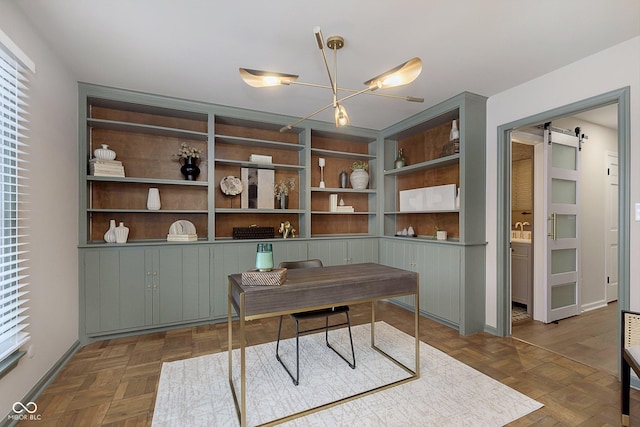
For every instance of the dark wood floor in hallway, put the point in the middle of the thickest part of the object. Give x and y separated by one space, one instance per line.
114 382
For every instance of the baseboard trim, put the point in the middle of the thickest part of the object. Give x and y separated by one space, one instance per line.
44 382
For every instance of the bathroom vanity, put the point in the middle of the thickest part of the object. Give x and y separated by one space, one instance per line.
522 273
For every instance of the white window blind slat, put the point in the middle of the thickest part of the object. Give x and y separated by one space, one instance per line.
14 305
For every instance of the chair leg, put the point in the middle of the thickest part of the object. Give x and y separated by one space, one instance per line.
352 365
294 379
625 392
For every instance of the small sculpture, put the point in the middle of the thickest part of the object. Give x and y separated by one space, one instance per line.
286 228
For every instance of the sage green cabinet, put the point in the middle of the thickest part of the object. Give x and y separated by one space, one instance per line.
438 268
137 288
401 254
344 251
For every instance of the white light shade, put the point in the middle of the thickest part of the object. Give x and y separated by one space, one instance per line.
401 75
321 162
259 78
342 118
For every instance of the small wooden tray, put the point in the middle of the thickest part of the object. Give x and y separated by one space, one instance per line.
275 277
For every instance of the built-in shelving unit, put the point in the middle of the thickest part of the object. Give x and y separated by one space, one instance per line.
145 139
180 283
235 140
340 152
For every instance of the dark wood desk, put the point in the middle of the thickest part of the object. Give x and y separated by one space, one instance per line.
311 289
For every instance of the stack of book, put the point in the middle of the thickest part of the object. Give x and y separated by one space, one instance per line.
99 167
335 207
182 237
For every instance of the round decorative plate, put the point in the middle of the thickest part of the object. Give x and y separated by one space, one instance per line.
182 227
231 185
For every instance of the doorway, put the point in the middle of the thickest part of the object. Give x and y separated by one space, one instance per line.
618 98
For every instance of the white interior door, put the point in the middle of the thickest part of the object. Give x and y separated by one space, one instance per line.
562 245
611 219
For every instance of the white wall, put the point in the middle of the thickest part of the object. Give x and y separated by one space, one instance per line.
611 69
53 207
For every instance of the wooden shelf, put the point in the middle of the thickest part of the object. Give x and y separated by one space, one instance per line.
342 213
341 154
343 190
423 166
247 164
154 181
260 143
147 211
146 129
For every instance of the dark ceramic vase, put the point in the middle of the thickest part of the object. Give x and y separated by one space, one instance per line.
190 169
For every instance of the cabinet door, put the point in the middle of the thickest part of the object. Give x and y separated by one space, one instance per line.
289 250
520 273
183 289
114 290
331 252
363 250
402 255
229 259
439 268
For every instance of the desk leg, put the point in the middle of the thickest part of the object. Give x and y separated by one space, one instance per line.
243 377
241 407
416 326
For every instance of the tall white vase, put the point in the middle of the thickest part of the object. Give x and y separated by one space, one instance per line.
122 233
110 235
153 199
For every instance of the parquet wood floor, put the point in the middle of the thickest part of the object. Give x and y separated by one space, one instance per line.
590 338
114 382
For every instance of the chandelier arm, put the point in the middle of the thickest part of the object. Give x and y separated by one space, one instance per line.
376 93
289 126
319 39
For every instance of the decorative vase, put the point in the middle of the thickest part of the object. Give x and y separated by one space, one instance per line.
110 235
454 134
344 178
122 233
190 169
104 153
264 257
441 235
153 199
283 201
359 179
400 160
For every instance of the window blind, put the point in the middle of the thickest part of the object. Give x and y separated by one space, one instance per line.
13 285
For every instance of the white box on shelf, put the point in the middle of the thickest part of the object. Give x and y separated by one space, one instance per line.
260 158
438 198
257 188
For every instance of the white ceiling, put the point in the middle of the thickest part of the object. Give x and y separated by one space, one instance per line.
193 48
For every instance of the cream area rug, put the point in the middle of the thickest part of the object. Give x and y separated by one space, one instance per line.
196 391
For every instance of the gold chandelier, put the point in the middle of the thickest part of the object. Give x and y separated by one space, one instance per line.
403 74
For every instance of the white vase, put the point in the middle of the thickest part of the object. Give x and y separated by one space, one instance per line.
441 235
153 199
122 233
359 179
104 153
110 235
455 133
